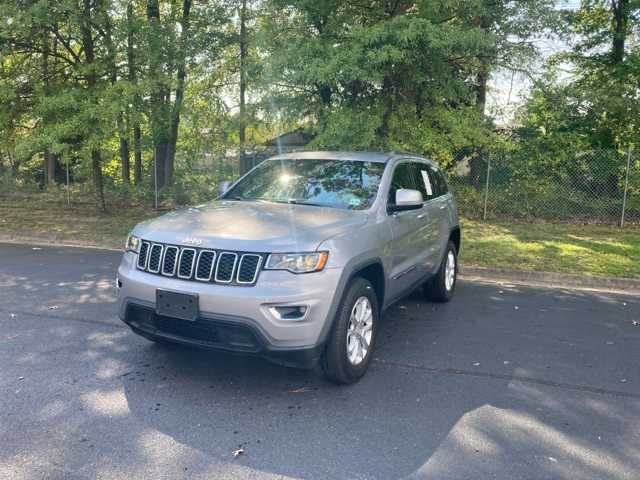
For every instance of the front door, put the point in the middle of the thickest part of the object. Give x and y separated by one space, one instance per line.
410 232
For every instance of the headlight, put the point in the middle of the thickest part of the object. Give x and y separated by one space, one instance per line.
132 244
297 262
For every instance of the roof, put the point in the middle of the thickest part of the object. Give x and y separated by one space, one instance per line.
353 156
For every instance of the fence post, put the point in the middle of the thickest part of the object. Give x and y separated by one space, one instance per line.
155 176
486 187
68 190
626 188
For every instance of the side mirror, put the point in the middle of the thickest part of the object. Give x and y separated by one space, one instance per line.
407 199
223 187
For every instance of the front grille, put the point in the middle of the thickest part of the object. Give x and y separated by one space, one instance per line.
202 265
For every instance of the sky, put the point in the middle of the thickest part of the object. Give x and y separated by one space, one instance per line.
509 90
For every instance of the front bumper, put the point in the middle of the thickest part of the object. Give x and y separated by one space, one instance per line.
215 334
234 312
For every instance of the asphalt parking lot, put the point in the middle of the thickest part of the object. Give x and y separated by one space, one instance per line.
504 382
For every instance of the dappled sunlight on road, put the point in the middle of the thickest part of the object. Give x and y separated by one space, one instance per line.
111 403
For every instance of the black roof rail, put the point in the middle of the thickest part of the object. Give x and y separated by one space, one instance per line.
413 154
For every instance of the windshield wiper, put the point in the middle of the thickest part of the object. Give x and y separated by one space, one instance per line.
245 199
304 202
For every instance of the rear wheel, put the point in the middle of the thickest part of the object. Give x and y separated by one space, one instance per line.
441 286
352 338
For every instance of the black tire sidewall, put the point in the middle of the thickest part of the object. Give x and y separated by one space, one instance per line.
337 364
435 289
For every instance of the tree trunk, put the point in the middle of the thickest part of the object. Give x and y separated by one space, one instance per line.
177 105
91 76
620 29
48 157
159 94
244 166
481 90
120 123
165 118
477 163
135 114
387 106
124 149
137 145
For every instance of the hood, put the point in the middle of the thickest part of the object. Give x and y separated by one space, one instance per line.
250 226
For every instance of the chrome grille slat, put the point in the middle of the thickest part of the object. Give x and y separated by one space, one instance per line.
224 269
200 264
204 265
155 256
248 268
143 255
169 261
186 263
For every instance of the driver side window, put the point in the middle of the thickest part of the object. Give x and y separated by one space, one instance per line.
404 176
414 176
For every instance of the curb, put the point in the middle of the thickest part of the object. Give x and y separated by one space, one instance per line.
536 279
57 242
551 279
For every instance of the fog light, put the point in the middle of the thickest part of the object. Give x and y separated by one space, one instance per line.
290 312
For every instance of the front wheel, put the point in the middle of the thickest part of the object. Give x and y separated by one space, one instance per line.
352 338
441 286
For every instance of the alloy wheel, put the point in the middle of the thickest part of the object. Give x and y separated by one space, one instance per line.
360 331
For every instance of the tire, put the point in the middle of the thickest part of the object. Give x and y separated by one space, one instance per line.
437 288
336 363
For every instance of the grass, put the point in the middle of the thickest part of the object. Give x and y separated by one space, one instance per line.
45 216
595 250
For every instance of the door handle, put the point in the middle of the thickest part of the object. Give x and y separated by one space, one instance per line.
421 216
443 206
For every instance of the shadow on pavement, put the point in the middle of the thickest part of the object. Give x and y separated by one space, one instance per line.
455 392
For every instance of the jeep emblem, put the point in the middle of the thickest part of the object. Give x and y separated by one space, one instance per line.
192 241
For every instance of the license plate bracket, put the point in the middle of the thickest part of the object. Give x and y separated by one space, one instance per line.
183 306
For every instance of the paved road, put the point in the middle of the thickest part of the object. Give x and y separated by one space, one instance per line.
503 382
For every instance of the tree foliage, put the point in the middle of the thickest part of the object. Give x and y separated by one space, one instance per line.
590 96
136 91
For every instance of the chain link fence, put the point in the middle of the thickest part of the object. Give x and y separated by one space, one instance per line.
595 186
521 184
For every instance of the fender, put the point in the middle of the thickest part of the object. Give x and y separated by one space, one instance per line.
348 274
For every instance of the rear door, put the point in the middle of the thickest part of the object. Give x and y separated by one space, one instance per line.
440 208
431 219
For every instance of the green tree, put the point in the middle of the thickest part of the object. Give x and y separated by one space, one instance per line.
599 102
381 75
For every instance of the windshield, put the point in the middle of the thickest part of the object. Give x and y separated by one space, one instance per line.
328 183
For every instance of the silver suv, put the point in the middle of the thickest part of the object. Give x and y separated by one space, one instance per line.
297 260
